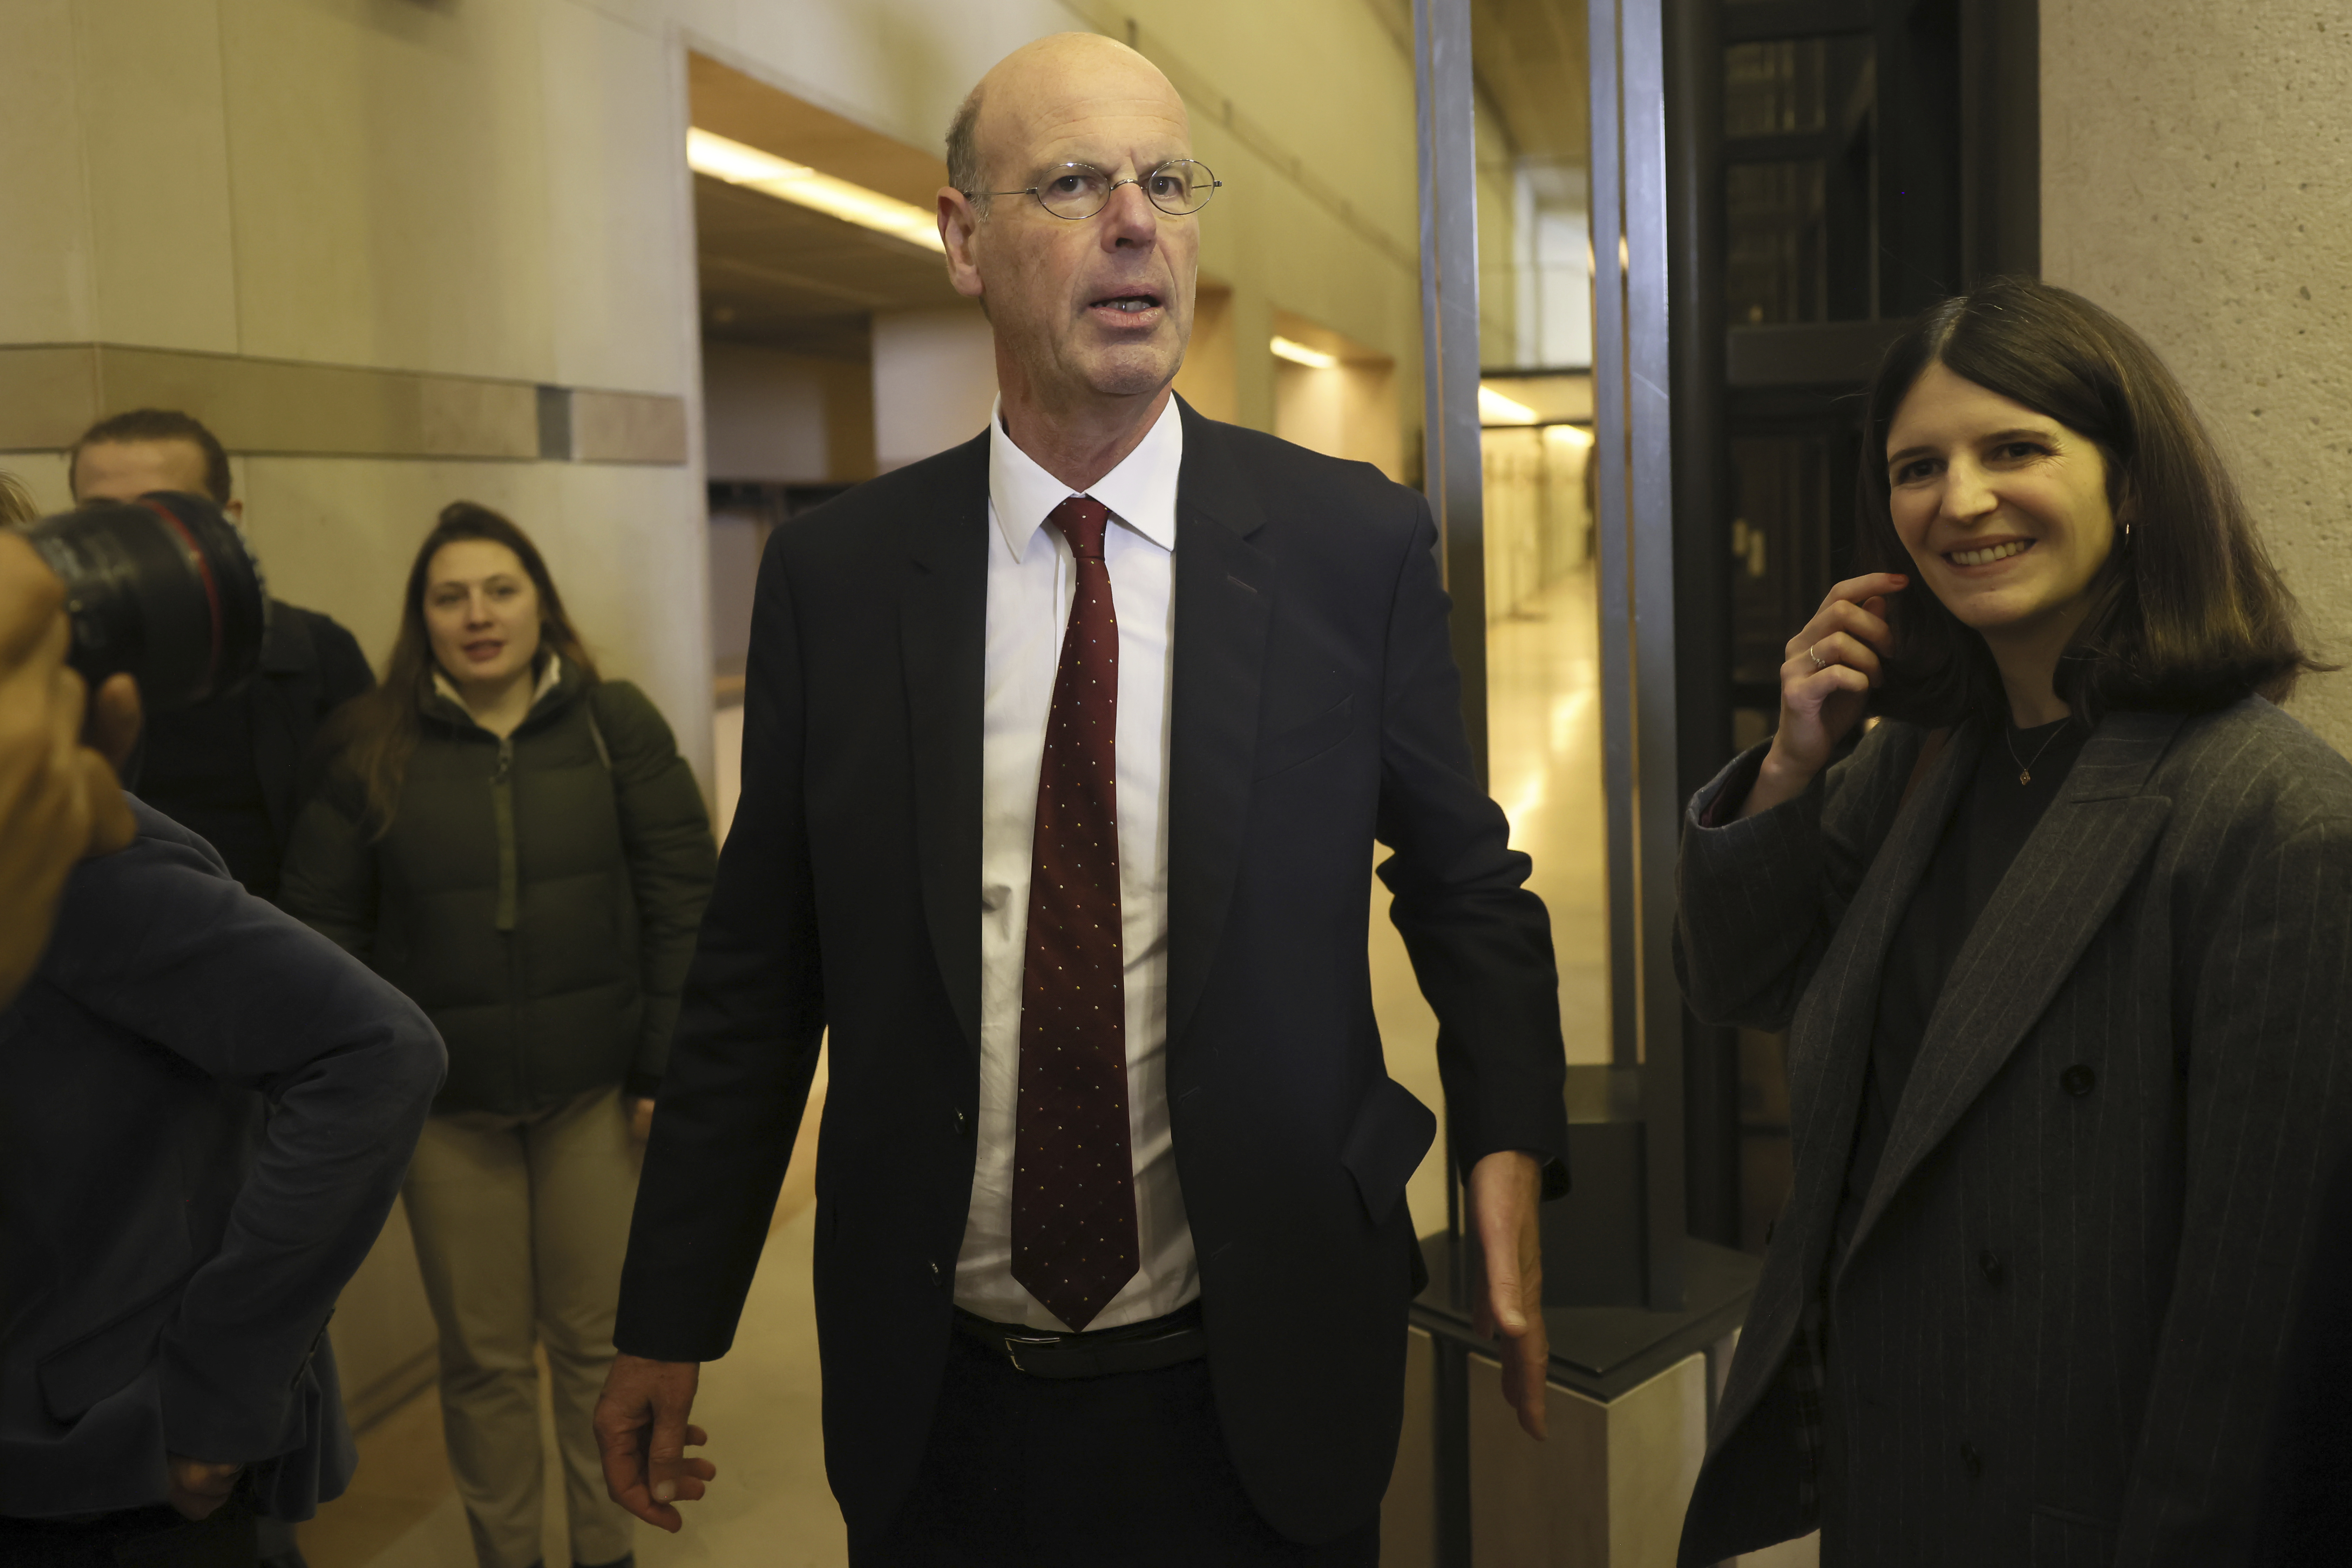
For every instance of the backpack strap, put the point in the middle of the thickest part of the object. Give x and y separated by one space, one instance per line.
596 730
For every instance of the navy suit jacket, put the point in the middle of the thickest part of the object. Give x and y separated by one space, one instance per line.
1315 709
209 1110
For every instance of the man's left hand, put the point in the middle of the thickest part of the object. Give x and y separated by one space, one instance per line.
1505 1188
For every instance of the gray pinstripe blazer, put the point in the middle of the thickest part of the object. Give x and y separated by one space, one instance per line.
2059 1323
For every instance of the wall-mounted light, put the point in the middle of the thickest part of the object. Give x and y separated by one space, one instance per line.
1299 353
797 183
1568 436
1494 409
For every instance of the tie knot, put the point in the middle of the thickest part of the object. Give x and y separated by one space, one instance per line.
1083 522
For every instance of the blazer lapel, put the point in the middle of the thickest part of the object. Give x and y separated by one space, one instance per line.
1829 1055
943 631
2066 879
1225 591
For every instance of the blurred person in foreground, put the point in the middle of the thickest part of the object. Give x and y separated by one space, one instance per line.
515 842
209 1110
238 768
59 799
1065 753
2063 948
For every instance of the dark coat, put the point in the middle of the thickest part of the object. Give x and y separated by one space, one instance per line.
2057 1327
2306 1507
1314 707
537 895
310 666
169 1255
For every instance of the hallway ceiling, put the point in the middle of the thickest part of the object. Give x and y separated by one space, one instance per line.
782 276
787 278
1530 59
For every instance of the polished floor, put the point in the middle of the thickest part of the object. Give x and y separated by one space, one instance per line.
771 1505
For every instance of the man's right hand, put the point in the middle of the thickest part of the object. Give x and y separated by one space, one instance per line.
642 1432
59 799
199 1487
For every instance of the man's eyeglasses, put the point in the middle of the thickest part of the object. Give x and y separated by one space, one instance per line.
1076 190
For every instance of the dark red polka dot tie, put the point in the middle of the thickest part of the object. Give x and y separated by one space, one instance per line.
1074 1176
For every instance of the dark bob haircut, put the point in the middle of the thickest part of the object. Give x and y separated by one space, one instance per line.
2189 613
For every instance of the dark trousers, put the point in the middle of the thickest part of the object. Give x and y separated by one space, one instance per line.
155 1536
1129 1469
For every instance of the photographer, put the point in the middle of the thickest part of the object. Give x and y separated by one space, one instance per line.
59 797
210 1109
236 769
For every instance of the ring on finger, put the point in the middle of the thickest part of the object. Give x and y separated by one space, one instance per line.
1814 653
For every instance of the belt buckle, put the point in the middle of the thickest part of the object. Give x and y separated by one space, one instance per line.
1032 1340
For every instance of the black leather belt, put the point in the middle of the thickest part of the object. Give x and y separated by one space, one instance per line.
1134 1347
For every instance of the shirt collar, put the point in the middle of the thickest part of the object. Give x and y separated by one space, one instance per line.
1140 492
549 674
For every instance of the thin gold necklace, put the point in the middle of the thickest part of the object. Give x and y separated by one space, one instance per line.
2025 768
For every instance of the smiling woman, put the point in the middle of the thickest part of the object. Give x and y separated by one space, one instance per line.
2064 953
514 841
2049 482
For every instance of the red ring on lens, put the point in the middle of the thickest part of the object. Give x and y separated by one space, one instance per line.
211 589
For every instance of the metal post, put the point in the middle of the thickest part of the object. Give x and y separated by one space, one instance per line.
1614 586
1632 409
1449 338
1455 480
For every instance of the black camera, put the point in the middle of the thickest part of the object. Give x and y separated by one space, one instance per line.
164 587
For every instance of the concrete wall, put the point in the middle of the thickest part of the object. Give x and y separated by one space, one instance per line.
934 382
2196 165
784 418
369 198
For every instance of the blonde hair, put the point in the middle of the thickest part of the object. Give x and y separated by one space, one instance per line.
17 506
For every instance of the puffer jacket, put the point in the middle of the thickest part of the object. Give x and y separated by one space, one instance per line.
537 896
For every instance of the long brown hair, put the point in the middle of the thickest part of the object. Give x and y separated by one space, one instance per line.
2190 614
377 733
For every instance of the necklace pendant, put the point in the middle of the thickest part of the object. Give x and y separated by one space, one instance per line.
2025 776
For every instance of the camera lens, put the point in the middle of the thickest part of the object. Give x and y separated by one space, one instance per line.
164 587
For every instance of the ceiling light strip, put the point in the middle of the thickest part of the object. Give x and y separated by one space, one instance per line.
770 175
1299 353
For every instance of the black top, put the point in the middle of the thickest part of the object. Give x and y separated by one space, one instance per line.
197 765
2017 777
237 768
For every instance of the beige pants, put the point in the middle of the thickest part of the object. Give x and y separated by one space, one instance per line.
520 1225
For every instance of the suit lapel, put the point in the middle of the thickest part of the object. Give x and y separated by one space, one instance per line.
2065 881
942 632
1225 591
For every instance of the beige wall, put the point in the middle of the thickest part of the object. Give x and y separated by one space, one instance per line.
934 382
783 417
2196 165
489 192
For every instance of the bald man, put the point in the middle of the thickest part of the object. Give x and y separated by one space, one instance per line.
1065 751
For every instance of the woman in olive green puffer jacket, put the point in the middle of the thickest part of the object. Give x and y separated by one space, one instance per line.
519 847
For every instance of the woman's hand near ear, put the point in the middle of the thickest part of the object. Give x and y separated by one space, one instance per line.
1831 667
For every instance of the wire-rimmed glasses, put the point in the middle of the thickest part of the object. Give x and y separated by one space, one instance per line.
1076 190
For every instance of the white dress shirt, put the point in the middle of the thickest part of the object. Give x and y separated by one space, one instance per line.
1030 581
